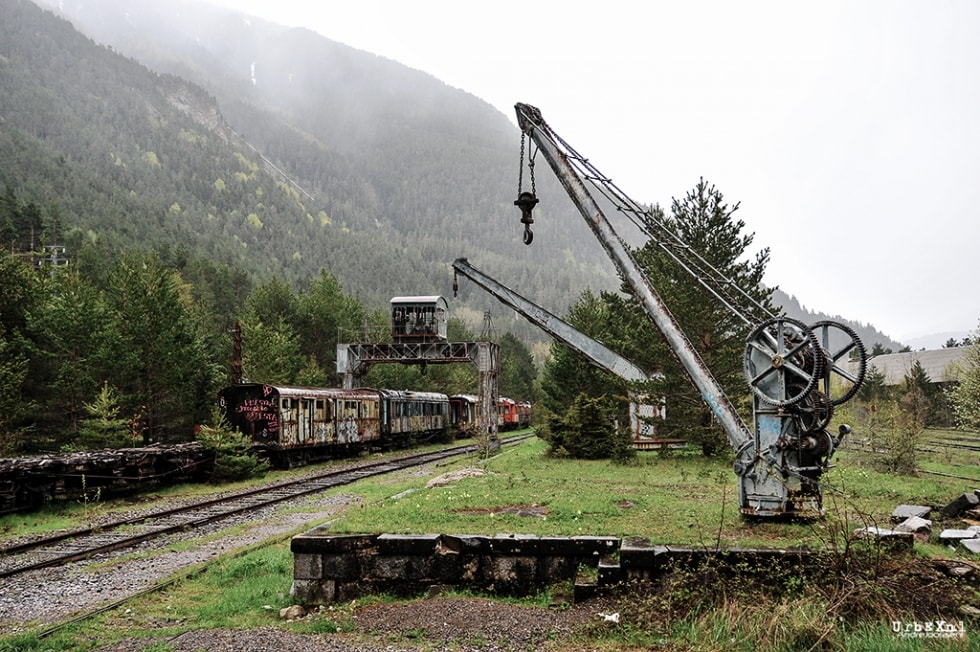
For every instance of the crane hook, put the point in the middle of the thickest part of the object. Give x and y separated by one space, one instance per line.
526 201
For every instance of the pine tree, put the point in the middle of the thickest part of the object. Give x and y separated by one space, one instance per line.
707 224
103 427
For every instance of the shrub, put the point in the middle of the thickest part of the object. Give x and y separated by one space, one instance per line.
234 458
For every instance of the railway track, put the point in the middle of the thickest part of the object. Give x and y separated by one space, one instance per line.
126 533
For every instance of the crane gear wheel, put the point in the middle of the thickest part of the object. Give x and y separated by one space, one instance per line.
814 412
834 351
783 361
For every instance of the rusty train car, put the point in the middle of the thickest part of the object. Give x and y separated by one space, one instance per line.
292 426
513 415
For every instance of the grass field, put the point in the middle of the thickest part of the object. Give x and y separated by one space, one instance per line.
682 498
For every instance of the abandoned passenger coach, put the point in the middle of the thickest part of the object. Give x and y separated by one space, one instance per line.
295 425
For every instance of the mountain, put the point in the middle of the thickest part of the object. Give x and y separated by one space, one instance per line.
301 154
279 151
868 334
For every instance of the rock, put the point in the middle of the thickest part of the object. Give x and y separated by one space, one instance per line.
955 535
959 571
973 545
893 539
962 503
453 476
903 512
969 610
920 527
292 613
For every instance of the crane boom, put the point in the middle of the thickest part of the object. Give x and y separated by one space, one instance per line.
598 353
641 410
739 434
789 366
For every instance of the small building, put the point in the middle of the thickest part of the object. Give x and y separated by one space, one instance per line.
940 365
419 319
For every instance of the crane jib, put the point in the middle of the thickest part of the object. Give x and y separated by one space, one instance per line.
793 370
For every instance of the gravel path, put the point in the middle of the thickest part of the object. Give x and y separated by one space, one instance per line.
52 595
433 625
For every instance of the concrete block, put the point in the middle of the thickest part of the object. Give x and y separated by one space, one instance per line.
891 538
407 544
903 512
973 545
920 527
514 544
319 541
310 592
951 534
343 566
610 573
307 566
960 504
638 553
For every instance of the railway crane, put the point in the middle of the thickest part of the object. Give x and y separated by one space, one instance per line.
796 373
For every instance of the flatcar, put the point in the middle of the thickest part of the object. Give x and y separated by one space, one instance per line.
292 426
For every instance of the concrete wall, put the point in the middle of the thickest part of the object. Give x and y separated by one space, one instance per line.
330 568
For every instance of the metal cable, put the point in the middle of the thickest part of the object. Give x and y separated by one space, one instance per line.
723 288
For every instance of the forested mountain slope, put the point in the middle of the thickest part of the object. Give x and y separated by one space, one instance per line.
275 150
404 173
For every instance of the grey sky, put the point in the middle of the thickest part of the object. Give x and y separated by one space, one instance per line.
847 130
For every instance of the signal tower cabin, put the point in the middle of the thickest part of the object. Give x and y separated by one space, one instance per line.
419 319
419 336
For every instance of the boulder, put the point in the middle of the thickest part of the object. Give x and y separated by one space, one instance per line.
292 613
959 505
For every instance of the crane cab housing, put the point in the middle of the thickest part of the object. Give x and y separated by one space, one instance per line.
419 319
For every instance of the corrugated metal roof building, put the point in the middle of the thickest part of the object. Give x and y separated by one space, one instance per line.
941 365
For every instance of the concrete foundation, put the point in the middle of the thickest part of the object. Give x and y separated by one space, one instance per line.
336 568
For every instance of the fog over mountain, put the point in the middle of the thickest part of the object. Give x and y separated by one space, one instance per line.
380 174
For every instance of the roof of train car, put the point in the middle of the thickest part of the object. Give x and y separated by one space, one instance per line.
318 392
419 396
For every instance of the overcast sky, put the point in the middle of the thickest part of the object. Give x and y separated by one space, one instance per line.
848 131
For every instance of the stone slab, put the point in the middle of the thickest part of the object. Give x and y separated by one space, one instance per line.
903 512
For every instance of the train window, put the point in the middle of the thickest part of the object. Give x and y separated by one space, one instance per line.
285 404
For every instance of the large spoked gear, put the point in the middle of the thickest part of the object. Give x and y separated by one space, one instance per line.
783 361
840 344
814 412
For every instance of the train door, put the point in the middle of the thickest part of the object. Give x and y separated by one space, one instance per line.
384 417
304 420
321 421
288 408
347 415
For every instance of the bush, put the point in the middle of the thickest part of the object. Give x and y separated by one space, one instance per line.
588 431
234 458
